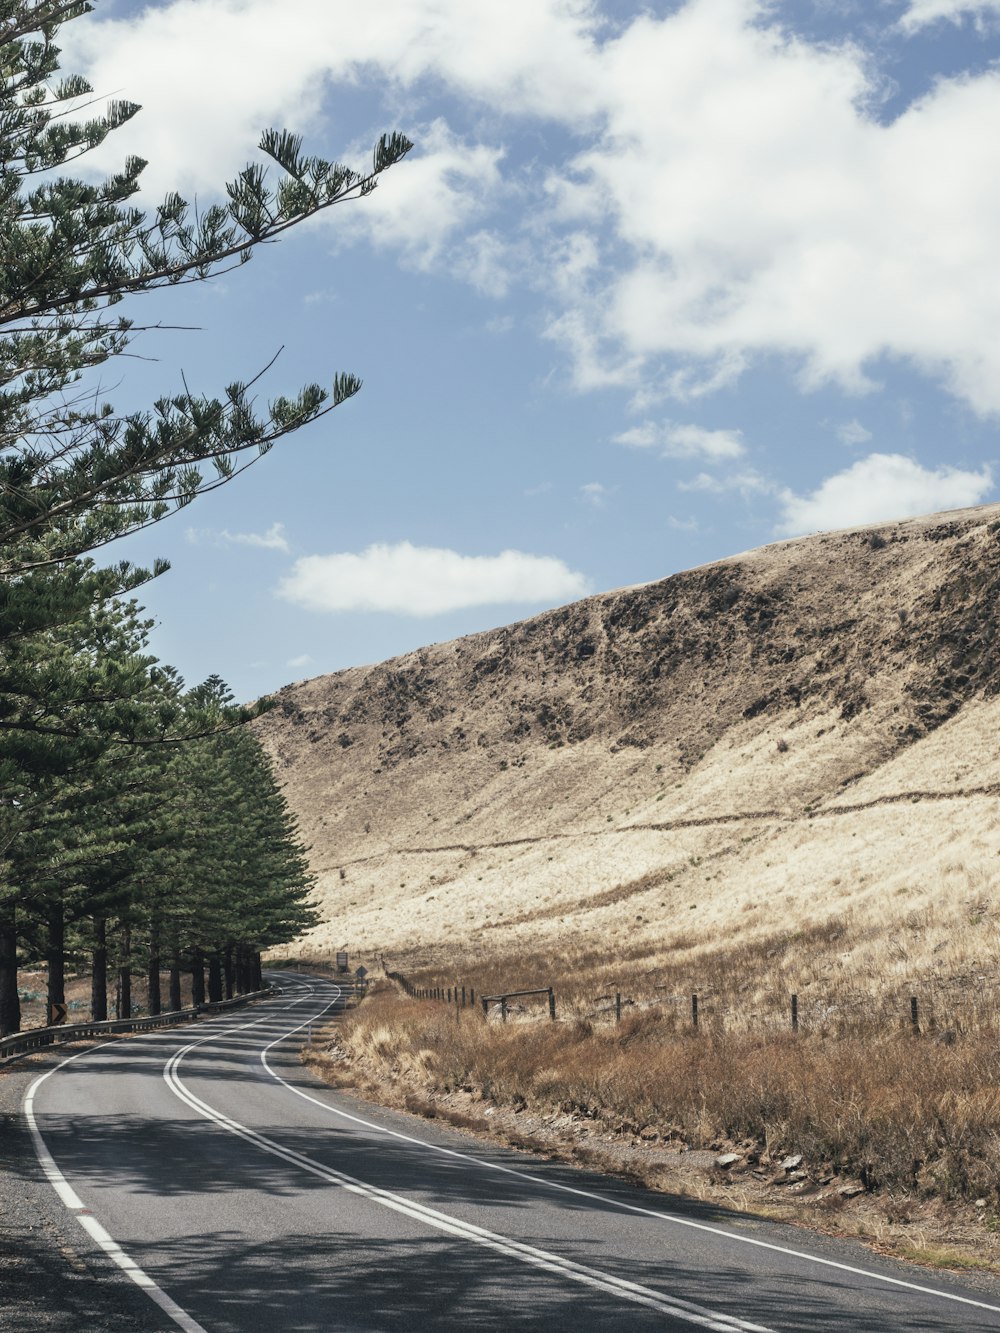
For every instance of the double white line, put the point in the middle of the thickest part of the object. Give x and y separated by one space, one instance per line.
529 1254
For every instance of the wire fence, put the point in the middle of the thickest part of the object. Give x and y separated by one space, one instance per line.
942 1011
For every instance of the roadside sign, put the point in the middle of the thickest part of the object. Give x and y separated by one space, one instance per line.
361 973
341 962
57 1015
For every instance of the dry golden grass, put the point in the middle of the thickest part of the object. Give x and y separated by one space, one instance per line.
901 1114
793 750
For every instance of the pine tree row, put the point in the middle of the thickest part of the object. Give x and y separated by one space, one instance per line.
140 827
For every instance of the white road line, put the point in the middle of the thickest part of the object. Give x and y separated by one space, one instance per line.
611 1202
84 1216
691 1313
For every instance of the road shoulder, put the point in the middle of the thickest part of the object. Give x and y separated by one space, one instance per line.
51 1279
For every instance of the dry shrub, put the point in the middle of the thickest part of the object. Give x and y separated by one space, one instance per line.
895 1110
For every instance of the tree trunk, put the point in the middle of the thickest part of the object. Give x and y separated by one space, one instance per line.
99 977
227 968
123 1004
175 984
240 959
10 1005
258 978
214 978
153 974
56 958
197 978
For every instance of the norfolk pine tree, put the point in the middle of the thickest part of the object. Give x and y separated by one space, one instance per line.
74 473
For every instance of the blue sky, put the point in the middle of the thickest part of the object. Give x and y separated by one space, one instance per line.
659 283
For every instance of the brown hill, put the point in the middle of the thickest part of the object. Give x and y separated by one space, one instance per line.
802 739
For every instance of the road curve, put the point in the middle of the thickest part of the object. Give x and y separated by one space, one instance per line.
242 1194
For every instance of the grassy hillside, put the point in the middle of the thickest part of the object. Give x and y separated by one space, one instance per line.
794 751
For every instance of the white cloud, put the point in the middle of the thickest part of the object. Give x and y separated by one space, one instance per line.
684 441
426 581
735 196
758 206
923 12
880 488
595 493
273 539
747 482
852 433
303 660
245 71
446 185
690 525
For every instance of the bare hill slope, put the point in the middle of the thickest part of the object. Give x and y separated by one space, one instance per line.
800 739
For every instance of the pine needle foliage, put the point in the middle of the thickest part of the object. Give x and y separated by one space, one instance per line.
94 839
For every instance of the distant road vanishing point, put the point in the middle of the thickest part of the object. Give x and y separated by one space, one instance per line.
241 1194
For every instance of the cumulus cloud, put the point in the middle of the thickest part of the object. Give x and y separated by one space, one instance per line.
855 238
922 12
245 71
426 581
880 488
684 441
444 187
735 194
273 539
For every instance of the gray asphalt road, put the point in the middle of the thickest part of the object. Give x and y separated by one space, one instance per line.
244 1195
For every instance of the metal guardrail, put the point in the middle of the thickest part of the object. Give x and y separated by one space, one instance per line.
35 1039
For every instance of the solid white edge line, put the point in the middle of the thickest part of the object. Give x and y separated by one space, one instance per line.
75 1205
617 1203
688 1311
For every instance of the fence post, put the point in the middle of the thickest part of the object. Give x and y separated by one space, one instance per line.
449 995
914 1017
618 1006
463 997
503 1008
552 1004
694 1010
795 1013
472 995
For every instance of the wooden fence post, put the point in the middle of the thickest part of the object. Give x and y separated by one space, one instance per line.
485 1005
694 1010
618 1006
472 995
552 1004
503 1008
795 1013
463 997
914 1016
